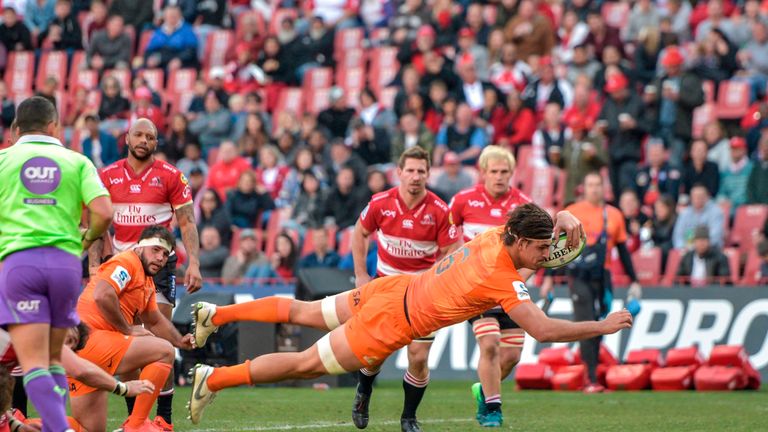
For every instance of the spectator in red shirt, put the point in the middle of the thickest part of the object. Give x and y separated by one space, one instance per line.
282 263
509 73
585 108
271 172
518 125
224 174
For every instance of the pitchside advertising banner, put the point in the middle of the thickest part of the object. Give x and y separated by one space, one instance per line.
670 318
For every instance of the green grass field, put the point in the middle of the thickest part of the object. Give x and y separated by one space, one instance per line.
448 406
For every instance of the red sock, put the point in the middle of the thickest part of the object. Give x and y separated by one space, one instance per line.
269 309
230 376
157 374
74 424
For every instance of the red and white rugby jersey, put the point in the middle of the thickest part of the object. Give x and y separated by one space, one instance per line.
7 354
143 199
476 211
408 239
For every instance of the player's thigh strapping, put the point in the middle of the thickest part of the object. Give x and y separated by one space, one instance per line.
505 328
40 285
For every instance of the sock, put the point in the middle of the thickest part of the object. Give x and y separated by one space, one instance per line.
157 374
165 405
414 390
47 398
129 403
493 403
60 377
269 309
19 395
230 376
365 380
74 425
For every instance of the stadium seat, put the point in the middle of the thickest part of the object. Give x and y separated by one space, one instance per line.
317 100
274 227
130 31
752 270
647 263
144 39
234 245
383 67
734 263
673 262
213 155
379 35
317 78
52 64
155 79
345 240
352 58
278 16
290 99
181 81
351 79
88 79
260 25
179 102
732 99
708 86
749 220
702 116
309 242
218 44
347 39
725 207
123 76
616 14
18 73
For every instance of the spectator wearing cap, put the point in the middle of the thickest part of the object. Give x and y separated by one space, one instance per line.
217 76
601 34
14 35
619 120
656 176
341 155
412 52
703 264
571 34
757 186
322 255
136 13
144 108
509 72
734 180
700 170
547 89
214 124
644 14
247 254
701 211
345 201
110 48
174 44
225 173
583 153
678 92
472 89
196 179
337 116
463 138
213 213
248 201
753 58
411 133
213 253
519 123
38 15
453 178
548 141
530 31
612 62
468 45
193 159
99 146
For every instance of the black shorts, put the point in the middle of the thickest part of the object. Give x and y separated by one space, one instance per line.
505 322
165 280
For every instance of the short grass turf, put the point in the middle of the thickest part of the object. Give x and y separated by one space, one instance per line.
448 406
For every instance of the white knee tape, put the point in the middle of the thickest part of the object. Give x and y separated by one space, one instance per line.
328 307
327 357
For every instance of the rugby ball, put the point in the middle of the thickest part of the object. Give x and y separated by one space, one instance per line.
560 255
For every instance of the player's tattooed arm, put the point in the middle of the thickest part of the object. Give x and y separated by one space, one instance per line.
94 255
189 236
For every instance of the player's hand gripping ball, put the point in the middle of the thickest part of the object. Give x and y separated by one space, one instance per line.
560 255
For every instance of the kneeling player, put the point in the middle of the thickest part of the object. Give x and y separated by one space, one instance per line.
371 322
121 289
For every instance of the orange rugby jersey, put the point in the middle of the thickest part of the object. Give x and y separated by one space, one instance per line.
135 291
468 282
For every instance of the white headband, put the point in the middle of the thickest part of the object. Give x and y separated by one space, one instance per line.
155 241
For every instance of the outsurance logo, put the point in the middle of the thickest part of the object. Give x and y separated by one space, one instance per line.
40 175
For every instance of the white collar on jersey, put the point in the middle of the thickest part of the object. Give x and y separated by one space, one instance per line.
39 138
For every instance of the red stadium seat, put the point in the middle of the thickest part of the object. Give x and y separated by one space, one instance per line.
702 116
557 357
52 64
734 261
317 100
154 77
278 16
18 73
647 263
123 76
384 66
345 240
260 25
616 14
290 99
673 262
748 221
353 58
351 79
274 226
708 87
649 356
88 79
218 45
379 35
181 81
752 270
144 39
179 102
309 242
347 39
732 99
317 78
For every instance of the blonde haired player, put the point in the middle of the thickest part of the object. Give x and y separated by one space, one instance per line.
477 209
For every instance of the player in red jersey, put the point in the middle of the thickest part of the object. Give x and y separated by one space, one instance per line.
413 230
500 339
146 191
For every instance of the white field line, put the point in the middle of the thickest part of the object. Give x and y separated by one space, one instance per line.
230 425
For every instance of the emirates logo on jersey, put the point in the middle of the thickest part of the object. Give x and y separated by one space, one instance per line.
405 249
133 215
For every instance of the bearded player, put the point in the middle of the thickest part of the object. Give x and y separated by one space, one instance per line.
146 191
375 320
500 339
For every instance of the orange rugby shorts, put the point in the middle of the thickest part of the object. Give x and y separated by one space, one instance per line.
378 326
105 349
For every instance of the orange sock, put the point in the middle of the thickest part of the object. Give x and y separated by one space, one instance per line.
157 374
230 376
269 309
74 424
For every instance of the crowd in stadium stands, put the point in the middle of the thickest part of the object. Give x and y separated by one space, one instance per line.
287 115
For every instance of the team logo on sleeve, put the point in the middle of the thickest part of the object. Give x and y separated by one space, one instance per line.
521 290
183 179
121 277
